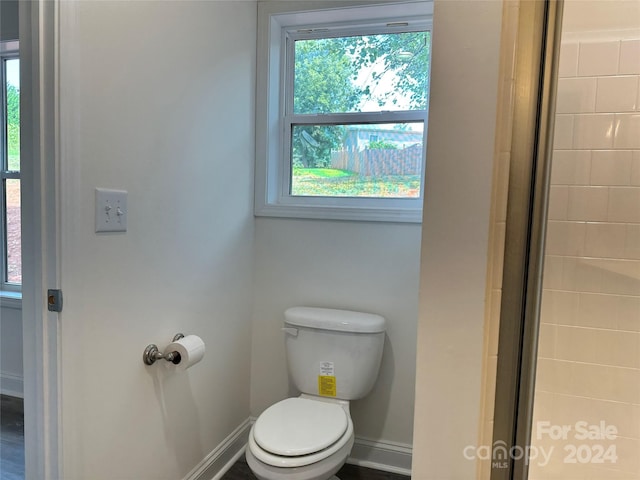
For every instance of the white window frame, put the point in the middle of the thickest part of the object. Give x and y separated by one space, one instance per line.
276 22
8 50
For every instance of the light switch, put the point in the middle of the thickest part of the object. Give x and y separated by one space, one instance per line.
111 210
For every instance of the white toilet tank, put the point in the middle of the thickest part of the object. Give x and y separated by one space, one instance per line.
333 353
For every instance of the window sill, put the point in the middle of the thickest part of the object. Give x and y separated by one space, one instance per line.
340 213
11 300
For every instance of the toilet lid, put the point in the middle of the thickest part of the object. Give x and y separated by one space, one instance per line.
299 426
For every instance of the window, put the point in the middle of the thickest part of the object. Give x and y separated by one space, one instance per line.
342 112
10 260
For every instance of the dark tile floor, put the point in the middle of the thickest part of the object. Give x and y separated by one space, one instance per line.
11 438
241 471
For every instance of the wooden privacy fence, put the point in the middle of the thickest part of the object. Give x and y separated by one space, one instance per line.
379 162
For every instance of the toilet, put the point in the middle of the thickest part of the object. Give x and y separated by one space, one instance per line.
333 357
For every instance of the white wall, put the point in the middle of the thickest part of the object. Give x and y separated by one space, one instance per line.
464 86
157 98
371 267
11 351
8 20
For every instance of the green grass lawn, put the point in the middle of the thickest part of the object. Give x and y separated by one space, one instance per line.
13 142
14 162
328 182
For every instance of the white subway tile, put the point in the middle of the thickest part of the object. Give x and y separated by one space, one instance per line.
635 169
504 122
626 384
571 167
605 382
492 367
598 58
547 340
568 65
494 322
563 132
555 467
484 464
624 416
593 381
593 131
553 276
632 241
498 253
617 94
627 131
565 238
562 413
543 404
559 307
611 167
606 240
597 346
628 461
627 312
558 200
581 275
629 57
502 187
594 311
624 205
577 95
622 351
546 381
487 430
609 472
559 374
618 276
589 204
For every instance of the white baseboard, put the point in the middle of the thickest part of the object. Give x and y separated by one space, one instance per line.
380 455
11 384
221 458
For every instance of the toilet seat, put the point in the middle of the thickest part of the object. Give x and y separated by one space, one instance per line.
284 423
298 426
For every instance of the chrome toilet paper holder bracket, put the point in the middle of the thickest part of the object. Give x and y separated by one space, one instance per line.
152 353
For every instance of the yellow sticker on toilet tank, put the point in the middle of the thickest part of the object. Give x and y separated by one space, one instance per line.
327 385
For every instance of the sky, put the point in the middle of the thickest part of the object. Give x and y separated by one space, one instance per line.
13 72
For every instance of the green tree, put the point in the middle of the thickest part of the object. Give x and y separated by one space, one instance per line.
13 124
322 84
382 145
326 81
13 105
404 54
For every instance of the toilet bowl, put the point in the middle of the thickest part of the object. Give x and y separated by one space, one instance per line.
333 357
301 438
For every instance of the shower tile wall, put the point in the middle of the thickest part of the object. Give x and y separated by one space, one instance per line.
589 347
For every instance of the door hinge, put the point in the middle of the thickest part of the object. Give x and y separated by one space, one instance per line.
54 300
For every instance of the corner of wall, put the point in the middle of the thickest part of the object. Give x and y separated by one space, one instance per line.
465 83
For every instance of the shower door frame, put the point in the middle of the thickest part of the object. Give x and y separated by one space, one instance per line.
535 81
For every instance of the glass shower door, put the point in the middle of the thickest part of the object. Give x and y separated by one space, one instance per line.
586 420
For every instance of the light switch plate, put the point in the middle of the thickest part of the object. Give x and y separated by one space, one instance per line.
111 210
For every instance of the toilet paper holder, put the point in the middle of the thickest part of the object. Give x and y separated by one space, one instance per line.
152 353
